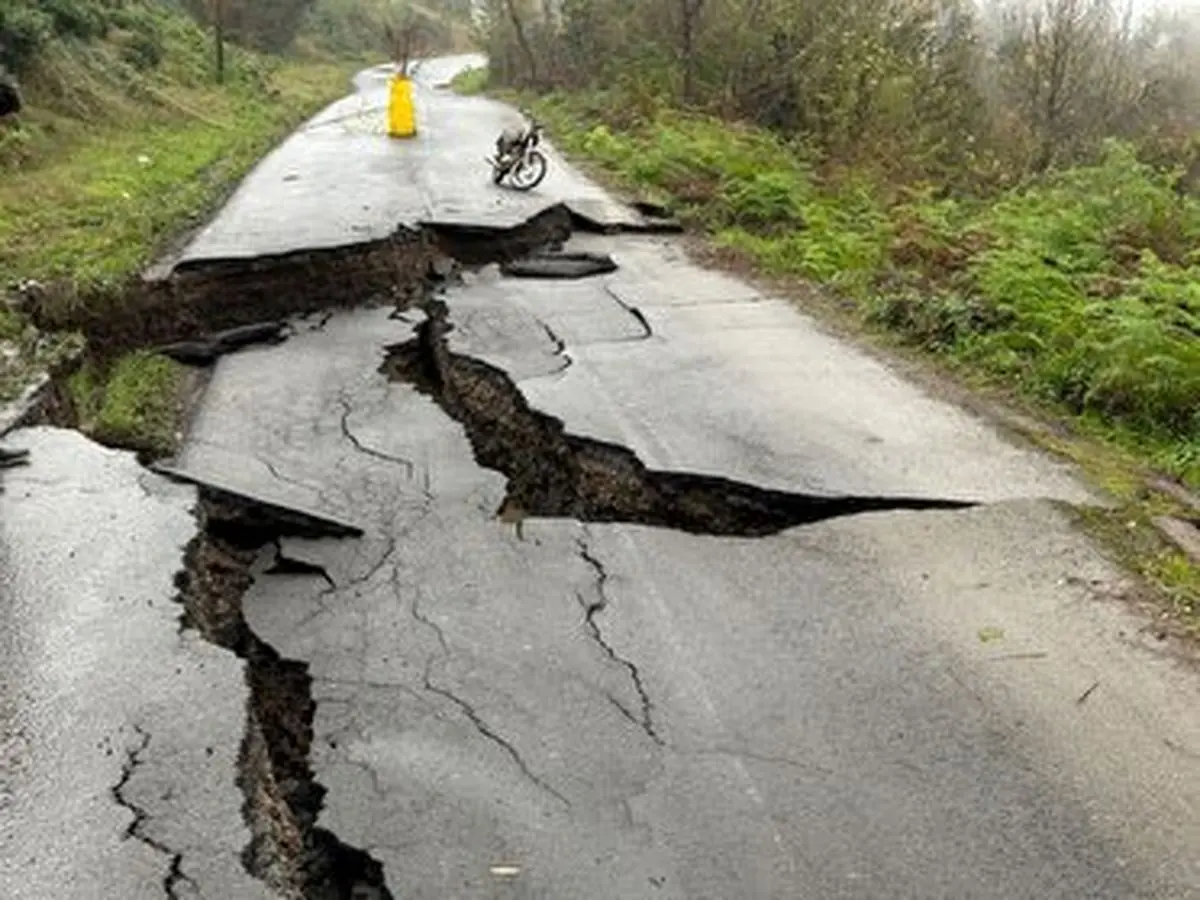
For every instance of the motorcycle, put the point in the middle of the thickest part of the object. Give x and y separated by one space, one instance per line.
518 160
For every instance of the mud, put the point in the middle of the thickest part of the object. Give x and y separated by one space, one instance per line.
203 297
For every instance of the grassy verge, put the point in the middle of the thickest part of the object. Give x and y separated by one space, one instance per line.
1082 293
470 82
87 203
1077 298
135 403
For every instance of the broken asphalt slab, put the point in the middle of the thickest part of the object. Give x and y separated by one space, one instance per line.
560 265
203 351
553 473
287 515
114 780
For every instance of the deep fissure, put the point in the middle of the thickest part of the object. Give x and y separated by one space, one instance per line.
556 474
282 798
205 308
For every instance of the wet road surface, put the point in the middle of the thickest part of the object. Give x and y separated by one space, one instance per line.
899 704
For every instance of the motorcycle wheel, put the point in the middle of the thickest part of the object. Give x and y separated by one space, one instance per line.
529 171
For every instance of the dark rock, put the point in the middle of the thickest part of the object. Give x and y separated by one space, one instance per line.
10 95
560 265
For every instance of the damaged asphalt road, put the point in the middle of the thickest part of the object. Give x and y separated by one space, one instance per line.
632 585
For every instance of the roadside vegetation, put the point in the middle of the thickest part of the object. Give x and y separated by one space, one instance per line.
1006 188
136 122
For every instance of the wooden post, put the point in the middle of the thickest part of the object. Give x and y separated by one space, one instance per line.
218 8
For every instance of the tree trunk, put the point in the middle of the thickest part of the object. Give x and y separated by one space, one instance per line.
687 47
523 41
219 38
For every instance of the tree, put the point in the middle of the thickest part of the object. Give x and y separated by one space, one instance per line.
218 27
269 25
689 24
931 85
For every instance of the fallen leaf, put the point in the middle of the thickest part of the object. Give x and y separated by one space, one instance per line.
990 633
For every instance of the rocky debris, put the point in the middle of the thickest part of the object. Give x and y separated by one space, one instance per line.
1183 533
560 265
204 351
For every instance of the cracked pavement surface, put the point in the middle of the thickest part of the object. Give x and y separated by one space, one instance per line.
550 708
514 706
116 780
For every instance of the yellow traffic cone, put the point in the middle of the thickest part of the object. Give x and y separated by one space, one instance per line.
402 119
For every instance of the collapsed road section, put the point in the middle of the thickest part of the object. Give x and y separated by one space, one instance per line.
577 711
205 308
548 472
201 297
200 312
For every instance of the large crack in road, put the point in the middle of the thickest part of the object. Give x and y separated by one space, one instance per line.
555 474
550 472
282 798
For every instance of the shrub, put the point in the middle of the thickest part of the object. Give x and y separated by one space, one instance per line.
76 18
24 31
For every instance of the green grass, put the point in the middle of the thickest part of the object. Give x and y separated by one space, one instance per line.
470 81
100 211
135 404
1133 540
1078 296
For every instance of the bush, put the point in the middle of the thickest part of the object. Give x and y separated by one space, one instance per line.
471 81
77 18
24 31
145 46
767 200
